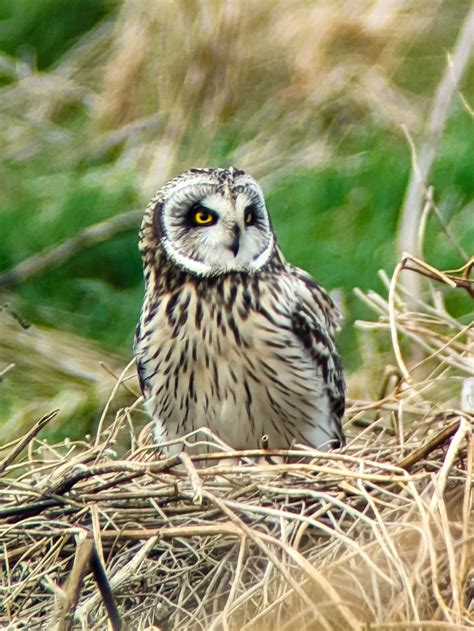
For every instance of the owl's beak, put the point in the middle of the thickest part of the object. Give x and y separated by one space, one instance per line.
235 243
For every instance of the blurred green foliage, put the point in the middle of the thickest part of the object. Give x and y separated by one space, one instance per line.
339 224
43 30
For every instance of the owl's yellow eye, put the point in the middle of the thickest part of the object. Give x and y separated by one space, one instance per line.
249 216
203 218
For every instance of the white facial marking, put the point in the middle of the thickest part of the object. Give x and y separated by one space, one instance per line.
229 244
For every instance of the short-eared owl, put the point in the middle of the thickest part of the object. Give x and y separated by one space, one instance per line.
231 336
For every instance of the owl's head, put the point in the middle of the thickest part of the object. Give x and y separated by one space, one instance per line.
213 221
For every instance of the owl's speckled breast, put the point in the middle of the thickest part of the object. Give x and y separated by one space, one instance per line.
222 355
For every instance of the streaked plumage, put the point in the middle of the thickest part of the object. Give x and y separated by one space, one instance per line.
231 336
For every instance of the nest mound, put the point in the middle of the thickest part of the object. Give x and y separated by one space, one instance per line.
378 535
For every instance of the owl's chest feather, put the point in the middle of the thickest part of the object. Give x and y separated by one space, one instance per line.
230 366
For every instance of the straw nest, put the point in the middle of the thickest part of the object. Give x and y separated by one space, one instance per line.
379 535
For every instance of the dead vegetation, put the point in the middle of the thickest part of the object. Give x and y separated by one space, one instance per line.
377 536
161 83
50 369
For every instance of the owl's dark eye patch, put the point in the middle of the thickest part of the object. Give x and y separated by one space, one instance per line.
200 216
251 215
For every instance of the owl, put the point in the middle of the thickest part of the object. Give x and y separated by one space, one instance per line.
231 336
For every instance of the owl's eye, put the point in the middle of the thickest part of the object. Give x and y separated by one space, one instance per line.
203 217
250 216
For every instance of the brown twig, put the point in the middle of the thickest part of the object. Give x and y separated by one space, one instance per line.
53 256
437 441
103 584
411 264
26 439
72 589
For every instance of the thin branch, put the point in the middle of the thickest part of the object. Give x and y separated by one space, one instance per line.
105 589
27 438
54 256
439 439
412 264
417 187
68 604
463 99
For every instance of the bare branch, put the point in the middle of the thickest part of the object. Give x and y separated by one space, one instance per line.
68 604
26 439
417 189
54 256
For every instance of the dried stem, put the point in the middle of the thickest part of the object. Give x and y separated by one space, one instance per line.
58 254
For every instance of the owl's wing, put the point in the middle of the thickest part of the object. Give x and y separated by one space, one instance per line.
317 299
314 319
139 361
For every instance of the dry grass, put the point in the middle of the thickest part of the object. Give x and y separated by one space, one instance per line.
377 536
51 369
286 79
260 68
